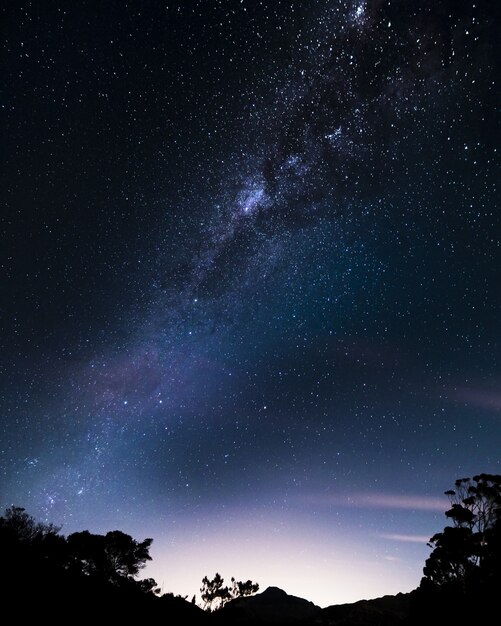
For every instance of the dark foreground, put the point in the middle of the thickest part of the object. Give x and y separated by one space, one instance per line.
273 607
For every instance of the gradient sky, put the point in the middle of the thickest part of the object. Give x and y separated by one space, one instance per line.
251 274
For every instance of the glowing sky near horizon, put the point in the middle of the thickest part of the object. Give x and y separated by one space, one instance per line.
250 280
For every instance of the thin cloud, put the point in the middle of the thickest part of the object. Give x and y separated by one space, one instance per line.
406 538
382 501
392 501
482 398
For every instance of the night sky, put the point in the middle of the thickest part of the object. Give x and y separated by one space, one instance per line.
250 280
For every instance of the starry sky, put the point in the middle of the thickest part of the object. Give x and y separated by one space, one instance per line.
250 280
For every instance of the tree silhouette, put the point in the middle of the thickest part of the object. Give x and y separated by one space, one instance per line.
125 555
215 595
469 551
148 585
24 542
52 573
87 554
240 589
114 557
462 575
24 527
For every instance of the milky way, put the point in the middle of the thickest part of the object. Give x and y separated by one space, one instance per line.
251 279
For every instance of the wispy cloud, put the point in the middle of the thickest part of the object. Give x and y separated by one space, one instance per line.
381 501
393 501
482 398
405 538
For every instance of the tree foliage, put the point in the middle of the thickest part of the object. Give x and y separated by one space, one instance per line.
126 556
115 558
467 553
17 522
240 589
215 594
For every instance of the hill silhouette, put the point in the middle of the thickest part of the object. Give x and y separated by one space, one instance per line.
273 606
385 611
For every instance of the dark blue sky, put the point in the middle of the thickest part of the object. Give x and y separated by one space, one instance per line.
250 280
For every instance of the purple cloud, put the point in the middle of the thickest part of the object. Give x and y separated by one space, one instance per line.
423 539
383 501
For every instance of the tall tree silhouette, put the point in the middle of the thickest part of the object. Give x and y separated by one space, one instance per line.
465 553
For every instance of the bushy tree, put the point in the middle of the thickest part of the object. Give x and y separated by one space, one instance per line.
114 557
87 554
24 542
24 527
101 561
126 556
148 585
